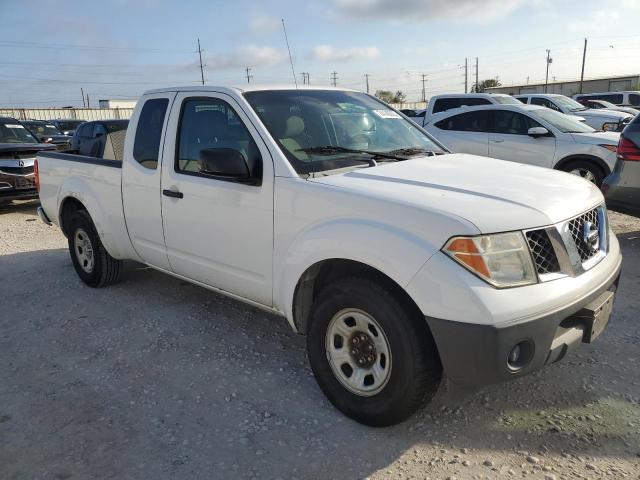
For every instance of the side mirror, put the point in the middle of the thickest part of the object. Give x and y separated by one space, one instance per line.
610 127
225 163
536 132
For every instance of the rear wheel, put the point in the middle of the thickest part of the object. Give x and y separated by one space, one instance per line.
585 169
92 263
372 354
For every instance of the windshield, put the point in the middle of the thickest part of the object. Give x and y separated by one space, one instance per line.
42 128
568 103
562 122
507 100
302 120
11 132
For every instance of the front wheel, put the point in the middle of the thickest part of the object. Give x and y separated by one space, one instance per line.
371 353
587 170
92 262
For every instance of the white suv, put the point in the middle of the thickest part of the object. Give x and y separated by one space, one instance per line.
598 119
449 101
528 134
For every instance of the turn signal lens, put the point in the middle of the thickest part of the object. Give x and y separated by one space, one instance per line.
36 171
502 259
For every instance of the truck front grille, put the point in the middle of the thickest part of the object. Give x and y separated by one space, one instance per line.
544 256
576 228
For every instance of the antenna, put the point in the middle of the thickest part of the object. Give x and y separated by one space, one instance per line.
295 80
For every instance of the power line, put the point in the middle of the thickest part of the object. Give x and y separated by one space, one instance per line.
58 46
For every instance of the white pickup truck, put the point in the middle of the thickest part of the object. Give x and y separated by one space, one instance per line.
401 263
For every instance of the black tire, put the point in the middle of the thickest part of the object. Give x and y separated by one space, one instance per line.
586 167
415 371
105 270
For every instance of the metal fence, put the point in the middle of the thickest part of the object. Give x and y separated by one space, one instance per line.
72 113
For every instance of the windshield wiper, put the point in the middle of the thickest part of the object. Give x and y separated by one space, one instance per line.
332 149
408 152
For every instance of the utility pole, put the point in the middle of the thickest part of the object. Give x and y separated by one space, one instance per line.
366 76
200 55
82 93
424 91
249 77
584 56
88 106
477 81
334 79
546 78
305 78
466 75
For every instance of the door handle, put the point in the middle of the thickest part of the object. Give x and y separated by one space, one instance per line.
497 141
172 193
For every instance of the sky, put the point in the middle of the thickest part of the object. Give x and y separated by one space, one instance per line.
118 49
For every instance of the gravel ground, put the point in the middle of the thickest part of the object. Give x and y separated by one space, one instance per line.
154 378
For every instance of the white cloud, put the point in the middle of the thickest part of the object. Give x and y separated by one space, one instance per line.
464 11
329 53
599 21
264 24
247 56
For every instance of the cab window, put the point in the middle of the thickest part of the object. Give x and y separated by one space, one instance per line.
211 123
149 132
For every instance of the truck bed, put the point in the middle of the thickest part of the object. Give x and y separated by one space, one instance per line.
96 183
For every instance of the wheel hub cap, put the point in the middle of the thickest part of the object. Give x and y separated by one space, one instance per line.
83 250
358 352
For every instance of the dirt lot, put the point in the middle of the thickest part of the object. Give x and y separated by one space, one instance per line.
155 378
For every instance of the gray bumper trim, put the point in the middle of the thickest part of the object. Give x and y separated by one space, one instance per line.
476 355
43 216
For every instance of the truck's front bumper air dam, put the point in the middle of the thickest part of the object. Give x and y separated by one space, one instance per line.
478 355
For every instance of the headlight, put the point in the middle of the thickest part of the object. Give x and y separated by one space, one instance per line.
501 259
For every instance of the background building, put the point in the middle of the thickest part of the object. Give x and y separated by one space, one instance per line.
122 103
569 88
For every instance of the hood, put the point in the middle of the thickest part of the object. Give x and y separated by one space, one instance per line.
629 110
602 113
597 138
494 195
57 138
23 149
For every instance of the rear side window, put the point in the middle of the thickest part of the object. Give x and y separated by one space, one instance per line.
86 130
634 99
465 122
512 123
613 98
146 146
444 104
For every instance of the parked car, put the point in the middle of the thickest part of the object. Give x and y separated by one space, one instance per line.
598 119
599 104
622 188
18 148
622 99
528 134
91 137
401 263
442 103
67 126
416 116
48 133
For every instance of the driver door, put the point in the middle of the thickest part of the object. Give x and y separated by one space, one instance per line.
217 232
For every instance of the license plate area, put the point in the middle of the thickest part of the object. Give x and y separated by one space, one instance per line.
596 316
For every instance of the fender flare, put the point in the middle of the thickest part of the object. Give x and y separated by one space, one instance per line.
592 158
396 253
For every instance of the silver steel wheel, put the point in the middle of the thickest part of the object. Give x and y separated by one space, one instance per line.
584 173
358 352
84 250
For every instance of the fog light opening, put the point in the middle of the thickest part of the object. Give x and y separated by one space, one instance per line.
520 355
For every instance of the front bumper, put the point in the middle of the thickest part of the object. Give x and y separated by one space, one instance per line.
477 354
